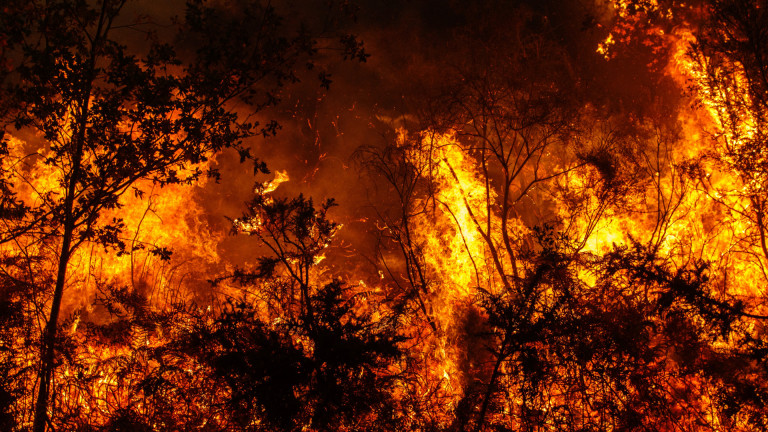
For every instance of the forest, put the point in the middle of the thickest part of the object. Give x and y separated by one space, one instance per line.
353 215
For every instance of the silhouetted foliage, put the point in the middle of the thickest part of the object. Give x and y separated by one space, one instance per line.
731 52
639 350
108 114
289 374
286 359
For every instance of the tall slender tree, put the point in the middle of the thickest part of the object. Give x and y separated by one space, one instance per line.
109 113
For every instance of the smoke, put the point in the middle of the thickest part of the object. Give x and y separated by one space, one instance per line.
418 50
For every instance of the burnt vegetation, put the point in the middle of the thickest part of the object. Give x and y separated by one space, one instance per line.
494 300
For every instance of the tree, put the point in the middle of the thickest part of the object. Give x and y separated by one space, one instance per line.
729 63
497 136
109 114
291 353
608 354
496 199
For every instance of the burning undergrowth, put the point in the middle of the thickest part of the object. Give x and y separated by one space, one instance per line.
543 224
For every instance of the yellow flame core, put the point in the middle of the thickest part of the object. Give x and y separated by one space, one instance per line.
449 230
450 234
280 177
729 229
253 224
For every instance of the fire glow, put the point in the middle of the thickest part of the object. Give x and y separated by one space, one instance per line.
530 253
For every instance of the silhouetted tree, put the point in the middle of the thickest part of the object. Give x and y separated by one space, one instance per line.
290 354
641 349
345 382
730 54
638 338
109 115
509 98
406 179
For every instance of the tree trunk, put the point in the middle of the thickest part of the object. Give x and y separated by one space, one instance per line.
49 338
47 356
491 384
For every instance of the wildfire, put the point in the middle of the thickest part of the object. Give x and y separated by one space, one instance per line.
151 217
550 265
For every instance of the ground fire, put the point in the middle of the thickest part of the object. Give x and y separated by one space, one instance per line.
247 215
